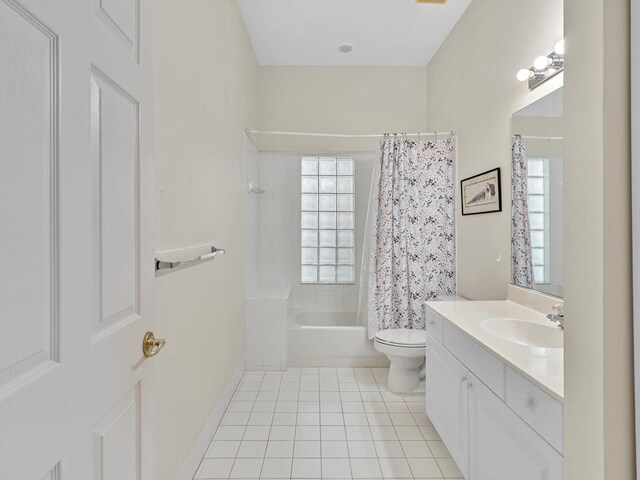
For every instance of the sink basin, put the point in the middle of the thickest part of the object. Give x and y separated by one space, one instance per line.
524 332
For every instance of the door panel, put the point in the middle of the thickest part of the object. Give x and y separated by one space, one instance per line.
122 21
446 401
54 474
502 446
117 440
28 226
33 411
115 130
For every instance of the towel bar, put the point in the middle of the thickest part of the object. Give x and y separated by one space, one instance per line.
162 264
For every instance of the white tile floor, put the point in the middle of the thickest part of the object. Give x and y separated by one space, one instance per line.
329 423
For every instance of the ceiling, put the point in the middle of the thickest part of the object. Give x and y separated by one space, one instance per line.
383 32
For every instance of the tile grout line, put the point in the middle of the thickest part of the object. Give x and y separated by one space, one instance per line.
411 413
425 440
247 424
369 426
295 427
406 401
269 434
204 457
320 418
345 423
394 430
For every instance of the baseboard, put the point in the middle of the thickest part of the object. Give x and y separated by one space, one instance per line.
191 464
303 360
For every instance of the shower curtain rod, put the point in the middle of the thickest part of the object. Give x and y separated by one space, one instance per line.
341 135
530 137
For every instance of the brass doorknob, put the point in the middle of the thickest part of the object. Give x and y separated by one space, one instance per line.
151 345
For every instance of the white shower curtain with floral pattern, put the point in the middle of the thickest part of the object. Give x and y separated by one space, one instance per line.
521 264
412 239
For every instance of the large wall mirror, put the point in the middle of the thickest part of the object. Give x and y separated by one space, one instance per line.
537 195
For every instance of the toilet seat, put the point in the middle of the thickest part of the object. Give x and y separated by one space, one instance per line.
402 337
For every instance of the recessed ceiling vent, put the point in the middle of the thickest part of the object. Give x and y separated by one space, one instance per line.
437 2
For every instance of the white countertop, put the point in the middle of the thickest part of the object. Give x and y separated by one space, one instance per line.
543 366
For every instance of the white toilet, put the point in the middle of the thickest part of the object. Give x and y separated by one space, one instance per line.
405 349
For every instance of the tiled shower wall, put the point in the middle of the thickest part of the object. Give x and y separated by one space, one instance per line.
279 230
251 212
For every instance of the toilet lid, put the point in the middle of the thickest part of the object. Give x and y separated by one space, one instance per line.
402 337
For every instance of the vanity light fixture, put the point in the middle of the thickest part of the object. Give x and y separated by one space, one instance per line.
544 67
525 74
541 63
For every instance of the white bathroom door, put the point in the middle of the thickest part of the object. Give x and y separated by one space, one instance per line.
76 247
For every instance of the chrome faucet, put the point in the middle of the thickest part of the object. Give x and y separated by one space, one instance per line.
558 316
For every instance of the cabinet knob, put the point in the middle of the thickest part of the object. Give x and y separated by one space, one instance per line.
463 378
528 401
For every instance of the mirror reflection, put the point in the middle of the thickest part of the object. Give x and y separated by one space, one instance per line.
537 195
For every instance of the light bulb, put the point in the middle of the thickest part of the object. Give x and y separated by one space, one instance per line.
559 47
541 63
523 74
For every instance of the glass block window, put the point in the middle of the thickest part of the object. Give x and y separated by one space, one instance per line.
538 185
327 235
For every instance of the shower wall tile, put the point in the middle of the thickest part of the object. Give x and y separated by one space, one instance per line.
279 231
266 328
252 217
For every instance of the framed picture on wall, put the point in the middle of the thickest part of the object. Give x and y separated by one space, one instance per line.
481 193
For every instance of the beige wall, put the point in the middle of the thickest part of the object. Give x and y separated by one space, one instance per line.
599 435
348 100
599 442
472 89
206 95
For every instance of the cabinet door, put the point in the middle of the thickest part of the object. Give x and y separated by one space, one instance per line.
447 401
502 446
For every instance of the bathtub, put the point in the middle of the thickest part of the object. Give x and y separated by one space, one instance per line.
329 339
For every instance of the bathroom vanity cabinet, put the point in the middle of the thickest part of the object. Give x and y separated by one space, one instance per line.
497 424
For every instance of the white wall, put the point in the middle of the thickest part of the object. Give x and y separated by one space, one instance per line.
205 96
471 88
279 231
350 100
598 408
